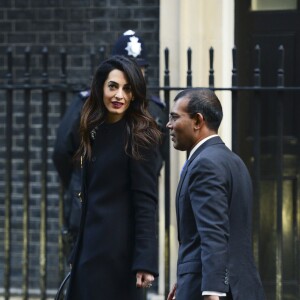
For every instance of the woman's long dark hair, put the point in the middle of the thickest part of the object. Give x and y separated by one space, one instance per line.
141 129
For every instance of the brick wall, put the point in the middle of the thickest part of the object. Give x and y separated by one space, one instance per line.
78 26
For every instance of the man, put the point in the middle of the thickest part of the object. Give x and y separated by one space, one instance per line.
67 140
213 206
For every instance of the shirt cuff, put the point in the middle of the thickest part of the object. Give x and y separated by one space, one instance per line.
210 293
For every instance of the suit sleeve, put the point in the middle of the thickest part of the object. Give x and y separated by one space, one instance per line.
144 197
208 190
67 141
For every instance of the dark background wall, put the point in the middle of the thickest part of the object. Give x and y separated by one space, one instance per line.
78 26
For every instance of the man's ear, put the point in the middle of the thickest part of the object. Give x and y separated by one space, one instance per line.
199 119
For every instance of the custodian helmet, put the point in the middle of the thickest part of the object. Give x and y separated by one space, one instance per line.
130 45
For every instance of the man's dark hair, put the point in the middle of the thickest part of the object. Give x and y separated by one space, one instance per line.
206 102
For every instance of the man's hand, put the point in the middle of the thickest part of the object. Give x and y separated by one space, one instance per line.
172 292
144 279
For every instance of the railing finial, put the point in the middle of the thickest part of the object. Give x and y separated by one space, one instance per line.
211 80
189 68
257 72
280 71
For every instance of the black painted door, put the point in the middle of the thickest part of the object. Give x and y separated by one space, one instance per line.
262 35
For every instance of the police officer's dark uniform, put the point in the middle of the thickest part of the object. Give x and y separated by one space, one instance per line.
67 140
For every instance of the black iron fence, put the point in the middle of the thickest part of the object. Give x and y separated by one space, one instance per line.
31 258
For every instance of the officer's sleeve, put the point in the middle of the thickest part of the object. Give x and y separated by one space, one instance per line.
67 141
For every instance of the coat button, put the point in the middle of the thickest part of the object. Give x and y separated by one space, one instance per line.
79 196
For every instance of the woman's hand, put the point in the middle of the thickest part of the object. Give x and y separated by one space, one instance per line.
144 279
172 292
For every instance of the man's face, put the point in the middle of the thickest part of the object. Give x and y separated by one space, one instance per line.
181 126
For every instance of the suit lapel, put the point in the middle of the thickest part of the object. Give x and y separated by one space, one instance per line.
210 142
182 176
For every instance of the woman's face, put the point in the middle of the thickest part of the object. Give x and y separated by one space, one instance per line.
117 95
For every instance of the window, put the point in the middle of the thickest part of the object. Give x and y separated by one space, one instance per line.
273 5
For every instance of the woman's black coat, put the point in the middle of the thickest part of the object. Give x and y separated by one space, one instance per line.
117 232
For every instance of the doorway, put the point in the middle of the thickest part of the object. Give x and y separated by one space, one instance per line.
267 37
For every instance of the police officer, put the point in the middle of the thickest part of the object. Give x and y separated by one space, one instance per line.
67 140
66 144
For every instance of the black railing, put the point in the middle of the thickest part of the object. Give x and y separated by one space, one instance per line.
33 196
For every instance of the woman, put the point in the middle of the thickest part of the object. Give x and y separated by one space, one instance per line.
116 253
